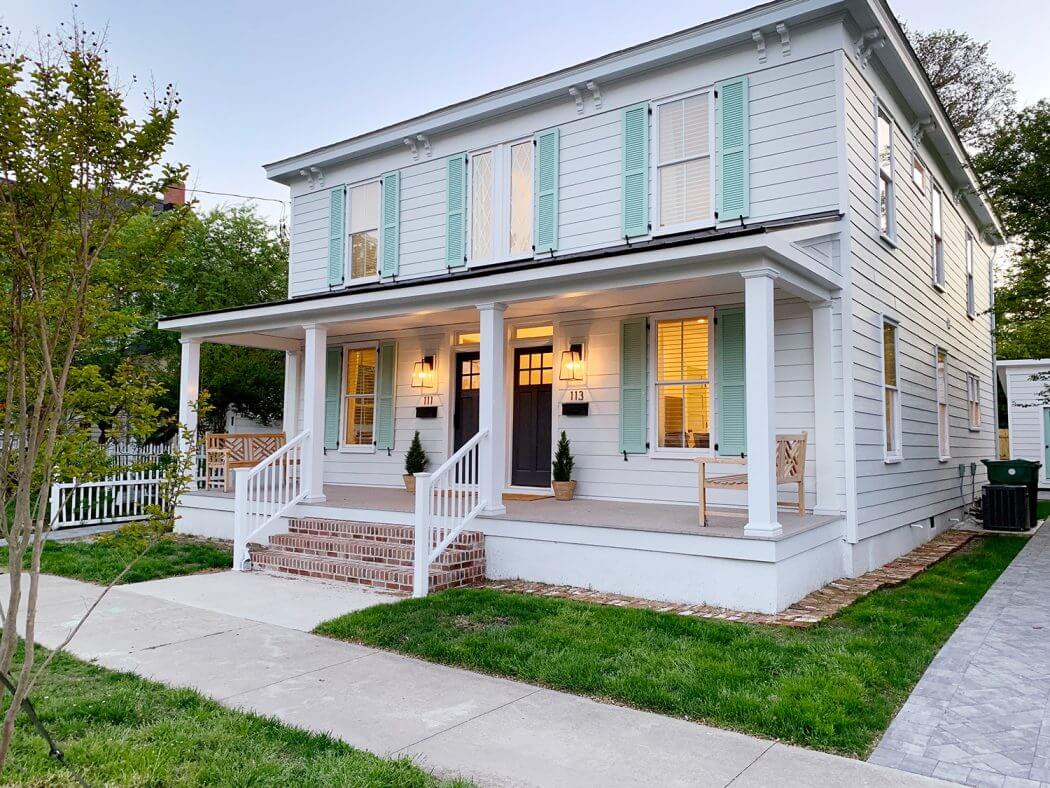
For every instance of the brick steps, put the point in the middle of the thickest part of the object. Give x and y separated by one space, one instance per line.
374 554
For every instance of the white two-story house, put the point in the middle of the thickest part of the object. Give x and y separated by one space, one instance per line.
761 226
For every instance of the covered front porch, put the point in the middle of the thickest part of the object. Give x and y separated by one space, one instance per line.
646 367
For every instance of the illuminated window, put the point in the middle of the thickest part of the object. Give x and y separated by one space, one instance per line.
683 385
536 369
469 374
891 393
360 397
534 332
364 229
468 338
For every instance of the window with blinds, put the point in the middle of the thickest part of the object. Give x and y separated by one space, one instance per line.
683 170
360 397
364 230
683 382
891 393
943 427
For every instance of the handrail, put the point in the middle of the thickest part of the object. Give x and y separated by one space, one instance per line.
265 492
446 501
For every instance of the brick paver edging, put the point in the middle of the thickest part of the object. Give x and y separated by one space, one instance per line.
811 609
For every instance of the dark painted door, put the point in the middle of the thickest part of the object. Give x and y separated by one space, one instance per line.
531 452
468 391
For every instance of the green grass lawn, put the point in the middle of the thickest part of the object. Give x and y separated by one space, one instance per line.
101 559
117 729
835 686
1042 509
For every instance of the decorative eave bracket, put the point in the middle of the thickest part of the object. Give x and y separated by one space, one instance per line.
869 41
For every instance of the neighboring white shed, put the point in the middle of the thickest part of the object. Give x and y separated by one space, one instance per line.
1029 414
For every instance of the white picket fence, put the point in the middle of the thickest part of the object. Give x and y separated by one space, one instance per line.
119 498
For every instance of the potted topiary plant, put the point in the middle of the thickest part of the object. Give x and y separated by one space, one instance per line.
564 485
416 461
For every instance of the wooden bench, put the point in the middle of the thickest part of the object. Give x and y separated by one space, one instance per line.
791 469
226 451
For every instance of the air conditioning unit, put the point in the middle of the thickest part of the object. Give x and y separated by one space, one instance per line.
1005 507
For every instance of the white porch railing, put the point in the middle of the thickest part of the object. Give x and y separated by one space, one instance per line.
265 492
446 501
120 498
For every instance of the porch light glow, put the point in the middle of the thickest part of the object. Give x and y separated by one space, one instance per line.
572 363
423 373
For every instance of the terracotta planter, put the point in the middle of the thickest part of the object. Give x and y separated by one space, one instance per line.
410 482
564 491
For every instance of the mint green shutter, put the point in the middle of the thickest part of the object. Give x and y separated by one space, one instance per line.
633 382
455 210
388 258
336 235
732 146
333 380
635 170
546 220
731 373
385 386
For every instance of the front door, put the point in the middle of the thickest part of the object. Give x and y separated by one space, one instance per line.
531 452
465 414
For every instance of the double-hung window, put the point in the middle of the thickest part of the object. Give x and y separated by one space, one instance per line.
943 427
364 230
891 394
359 395
938 238
501 208
684 169
918 173
683 382
971 308
973 400
887 196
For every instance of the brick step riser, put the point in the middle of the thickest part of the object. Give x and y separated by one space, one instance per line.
373 552
373 532
374 575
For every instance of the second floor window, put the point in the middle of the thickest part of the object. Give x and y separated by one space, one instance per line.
683 385
501 202
683 165
938 238
887 218
943 427
971 308
364 230
891 392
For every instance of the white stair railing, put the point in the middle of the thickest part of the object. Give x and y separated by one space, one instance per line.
265 492
446 501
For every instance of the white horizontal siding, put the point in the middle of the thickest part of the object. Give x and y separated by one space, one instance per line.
308 254
896 281
423 197
589 188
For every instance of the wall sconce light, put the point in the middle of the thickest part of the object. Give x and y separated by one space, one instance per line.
572 363
423 373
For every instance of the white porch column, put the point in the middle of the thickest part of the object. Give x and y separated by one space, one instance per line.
761 414
291 393
823 410
189 390
492 411
313 411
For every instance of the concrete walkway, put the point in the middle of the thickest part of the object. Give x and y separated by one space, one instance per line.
239 639
981 713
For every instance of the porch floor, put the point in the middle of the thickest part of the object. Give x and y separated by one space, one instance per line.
635 516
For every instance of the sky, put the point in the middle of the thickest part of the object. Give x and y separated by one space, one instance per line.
262 80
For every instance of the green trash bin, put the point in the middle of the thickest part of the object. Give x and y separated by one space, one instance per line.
1020 472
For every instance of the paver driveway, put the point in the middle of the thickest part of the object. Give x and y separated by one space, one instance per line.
981 713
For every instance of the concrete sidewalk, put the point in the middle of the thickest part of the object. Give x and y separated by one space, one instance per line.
981 713
238 638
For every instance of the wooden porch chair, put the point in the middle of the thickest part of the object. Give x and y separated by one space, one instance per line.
791 469
226 451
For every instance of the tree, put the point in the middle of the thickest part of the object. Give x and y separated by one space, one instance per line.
1014 167
75 166
977 95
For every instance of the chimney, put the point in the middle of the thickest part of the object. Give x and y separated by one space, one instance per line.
175 194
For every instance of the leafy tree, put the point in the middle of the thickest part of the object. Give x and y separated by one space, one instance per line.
977 95
1014 166
75 167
